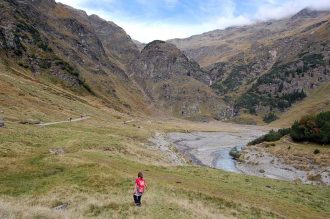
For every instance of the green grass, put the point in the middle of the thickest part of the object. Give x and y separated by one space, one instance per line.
88 170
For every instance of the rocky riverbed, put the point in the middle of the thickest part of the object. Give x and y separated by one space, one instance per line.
206 148
255 160
212 149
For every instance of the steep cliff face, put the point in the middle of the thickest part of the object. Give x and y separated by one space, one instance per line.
80 52
176 83
118 45
161 61
267 66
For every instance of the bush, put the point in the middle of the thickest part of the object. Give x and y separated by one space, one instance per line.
312 128
284 131
257 141
248 101
45 64
270 117
271 136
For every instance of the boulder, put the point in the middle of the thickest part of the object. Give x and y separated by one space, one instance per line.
235 153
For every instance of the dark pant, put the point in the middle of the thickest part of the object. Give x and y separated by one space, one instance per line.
137 199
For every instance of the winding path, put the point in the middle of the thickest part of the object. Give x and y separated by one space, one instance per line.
66 121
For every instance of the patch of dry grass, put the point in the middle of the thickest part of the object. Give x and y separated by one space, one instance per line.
300 155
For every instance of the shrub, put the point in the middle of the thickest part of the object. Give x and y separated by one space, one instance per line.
257 141
218 87
293 97
248 101
271 136
270 117
312 128
23 65
317 151
311 60
284 131
45 64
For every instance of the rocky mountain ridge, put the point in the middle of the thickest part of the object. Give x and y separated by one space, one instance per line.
266 67
258 69
64 44
176 83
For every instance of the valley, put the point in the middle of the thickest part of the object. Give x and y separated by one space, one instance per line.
84 108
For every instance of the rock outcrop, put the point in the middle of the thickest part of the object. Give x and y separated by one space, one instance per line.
176 83
114 39
161 61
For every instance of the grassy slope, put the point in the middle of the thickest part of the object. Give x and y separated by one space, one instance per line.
102 156
96 172
300 155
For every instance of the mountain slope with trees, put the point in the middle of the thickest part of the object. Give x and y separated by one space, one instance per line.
266 67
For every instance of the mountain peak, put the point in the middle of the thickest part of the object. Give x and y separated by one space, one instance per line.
306 13
155 43
176 83
167 49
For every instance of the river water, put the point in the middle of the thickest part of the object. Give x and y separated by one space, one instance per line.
212 148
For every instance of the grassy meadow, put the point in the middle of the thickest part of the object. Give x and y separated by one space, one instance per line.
95 175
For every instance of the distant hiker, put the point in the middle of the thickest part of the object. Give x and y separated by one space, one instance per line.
70 119
139 188
81 116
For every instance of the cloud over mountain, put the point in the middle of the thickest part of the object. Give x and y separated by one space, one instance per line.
147 20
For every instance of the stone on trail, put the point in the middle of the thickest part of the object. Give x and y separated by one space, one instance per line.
61 207
57 151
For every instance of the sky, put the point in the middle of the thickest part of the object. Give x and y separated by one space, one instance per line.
148 20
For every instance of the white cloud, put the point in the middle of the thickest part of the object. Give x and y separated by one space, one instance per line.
219 14
148 31
274 10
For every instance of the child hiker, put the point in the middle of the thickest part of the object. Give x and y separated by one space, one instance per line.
139 187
